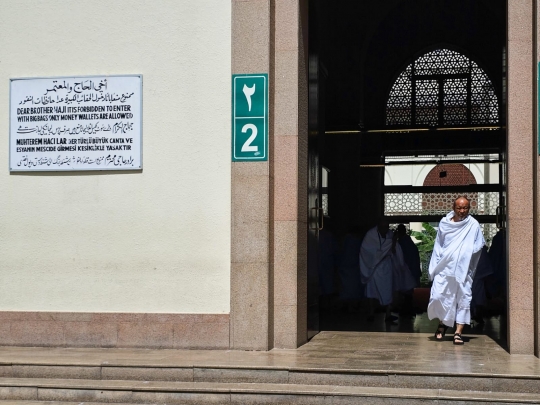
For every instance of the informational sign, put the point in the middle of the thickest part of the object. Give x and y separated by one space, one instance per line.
76 123
250 118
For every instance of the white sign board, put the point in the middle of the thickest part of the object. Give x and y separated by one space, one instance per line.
76 123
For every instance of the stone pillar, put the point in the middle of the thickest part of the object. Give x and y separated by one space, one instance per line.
252 212
290 151
536 160
521 156
269 199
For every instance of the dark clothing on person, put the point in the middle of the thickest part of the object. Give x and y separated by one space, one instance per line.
411 256
483 270
497 254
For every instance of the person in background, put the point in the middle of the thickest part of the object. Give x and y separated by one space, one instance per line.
483 270
496 283
382 268
410 253
412 260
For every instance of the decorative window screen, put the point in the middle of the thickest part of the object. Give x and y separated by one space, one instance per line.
442 88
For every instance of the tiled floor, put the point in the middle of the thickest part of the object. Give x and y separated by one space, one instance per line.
339 319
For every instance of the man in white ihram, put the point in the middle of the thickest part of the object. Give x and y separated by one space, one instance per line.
455 255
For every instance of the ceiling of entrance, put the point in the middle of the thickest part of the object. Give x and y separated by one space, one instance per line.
365 45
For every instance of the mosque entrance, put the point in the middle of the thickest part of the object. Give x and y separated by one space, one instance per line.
407 112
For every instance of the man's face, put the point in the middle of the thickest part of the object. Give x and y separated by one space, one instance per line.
461 209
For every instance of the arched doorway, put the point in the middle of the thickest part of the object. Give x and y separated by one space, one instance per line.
444 92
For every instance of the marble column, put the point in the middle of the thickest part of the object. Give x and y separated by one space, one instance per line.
522 153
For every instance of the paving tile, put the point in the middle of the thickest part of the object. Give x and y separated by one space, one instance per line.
517 385
62 394
371 395
355 400
370 380
179 398
469 403
441 382
509 368
438 367
147 373
18 393
52 403
5 371
240 376
258 399
489 397
52 371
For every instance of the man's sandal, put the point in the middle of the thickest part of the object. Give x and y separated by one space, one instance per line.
458 340
440 332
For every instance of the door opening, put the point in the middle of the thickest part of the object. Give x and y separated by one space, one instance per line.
413 116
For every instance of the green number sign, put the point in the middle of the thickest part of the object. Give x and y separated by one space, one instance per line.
250 117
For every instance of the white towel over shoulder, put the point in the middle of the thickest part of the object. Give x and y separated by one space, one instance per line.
455 244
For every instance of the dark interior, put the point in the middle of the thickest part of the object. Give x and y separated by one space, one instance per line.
357 51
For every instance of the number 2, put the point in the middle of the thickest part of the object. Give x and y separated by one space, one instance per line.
247 146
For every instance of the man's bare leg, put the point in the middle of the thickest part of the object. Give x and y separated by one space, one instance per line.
441 330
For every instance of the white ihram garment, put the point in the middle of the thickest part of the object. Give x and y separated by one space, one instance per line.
381 270
455 255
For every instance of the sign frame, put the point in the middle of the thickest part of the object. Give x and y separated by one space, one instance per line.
251 130
78 169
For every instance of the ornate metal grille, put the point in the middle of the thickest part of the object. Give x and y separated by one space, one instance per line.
489 231
442 88
455 102
482 203
484 102
427 93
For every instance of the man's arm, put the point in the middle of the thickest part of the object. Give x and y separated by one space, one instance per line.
436 254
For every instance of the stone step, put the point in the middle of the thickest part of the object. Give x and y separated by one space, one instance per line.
276 375
39 391
22 402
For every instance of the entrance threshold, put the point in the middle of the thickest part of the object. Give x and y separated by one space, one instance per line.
490 326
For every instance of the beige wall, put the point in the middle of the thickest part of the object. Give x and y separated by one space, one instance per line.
157 240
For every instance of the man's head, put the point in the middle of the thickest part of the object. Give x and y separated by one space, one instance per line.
383 226
401 230
461 208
